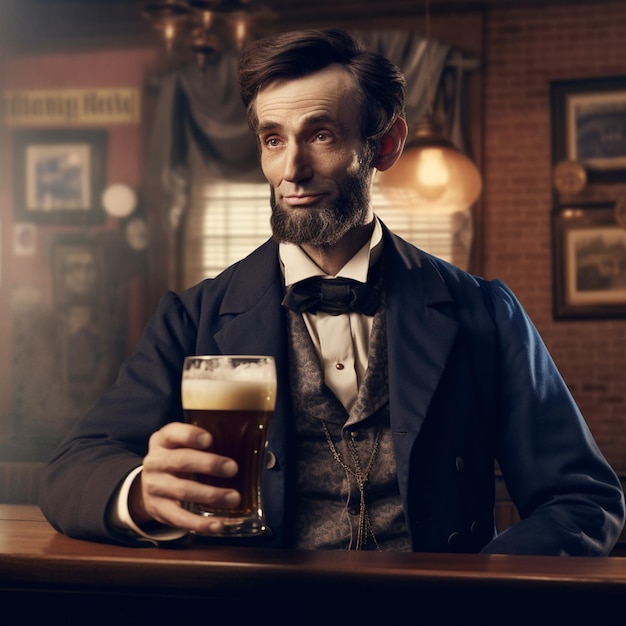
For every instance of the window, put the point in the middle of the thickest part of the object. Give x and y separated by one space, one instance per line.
228 220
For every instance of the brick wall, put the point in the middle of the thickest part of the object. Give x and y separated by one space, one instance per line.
525 49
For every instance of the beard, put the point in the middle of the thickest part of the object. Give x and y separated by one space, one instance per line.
327 223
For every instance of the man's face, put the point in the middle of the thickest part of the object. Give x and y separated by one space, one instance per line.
314 158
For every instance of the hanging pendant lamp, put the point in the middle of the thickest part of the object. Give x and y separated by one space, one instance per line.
432 175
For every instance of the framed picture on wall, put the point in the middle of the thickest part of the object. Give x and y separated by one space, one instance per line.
589 125
589 262
77 272
59 176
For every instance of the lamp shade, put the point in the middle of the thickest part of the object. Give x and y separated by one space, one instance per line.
431 175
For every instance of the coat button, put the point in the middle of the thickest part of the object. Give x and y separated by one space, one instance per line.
270 459
454 539
475 527
459 464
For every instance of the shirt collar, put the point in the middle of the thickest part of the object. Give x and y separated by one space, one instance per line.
297 265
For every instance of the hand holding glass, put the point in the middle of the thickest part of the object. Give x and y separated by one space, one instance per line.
233 398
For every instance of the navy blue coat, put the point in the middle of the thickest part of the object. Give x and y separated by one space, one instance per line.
470 383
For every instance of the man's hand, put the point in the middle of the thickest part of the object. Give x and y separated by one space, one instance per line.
175 453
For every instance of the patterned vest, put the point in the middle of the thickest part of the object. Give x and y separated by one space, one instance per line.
346 493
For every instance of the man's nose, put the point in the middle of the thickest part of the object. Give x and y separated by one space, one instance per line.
297 163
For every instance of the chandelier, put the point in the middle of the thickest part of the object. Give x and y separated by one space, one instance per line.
205 27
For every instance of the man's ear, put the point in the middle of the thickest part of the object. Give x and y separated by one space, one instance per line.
391 145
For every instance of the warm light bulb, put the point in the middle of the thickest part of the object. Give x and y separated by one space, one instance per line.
169 32
432 173
241 32
207 19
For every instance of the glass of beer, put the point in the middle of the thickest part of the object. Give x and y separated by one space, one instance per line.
233 398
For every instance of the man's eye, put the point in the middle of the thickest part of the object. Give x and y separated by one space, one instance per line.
272 142
322 137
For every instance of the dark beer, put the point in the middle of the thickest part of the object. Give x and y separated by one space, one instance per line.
240 435
233 398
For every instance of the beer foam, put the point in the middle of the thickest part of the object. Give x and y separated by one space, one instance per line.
227 395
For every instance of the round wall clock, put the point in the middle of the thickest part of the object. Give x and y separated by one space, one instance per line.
569 177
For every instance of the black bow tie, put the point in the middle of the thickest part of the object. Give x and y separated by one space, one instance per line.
332 295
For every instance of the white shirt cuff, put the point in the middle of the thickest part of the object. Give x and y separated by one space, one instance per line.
121 518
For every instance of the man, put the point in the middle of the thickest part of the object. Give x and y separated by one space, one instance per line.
389 419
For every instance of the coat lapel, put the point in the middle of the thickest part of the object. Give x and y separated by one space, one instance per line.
256 321
419 336
420 332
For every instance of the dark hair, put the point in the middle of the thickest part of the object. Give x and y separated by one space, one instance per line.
297 54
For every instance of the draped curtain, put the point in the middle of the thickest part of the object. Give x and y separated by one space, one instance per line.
200 122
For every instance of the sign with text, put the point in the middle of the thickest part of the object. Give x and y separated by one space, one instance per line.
69 107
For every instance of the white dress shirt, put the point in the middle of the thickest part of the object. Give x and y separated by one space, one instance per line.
341 341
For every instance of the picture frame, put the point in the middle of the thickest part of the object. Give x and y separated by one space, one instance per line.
77 271
59 176
589 126
589 265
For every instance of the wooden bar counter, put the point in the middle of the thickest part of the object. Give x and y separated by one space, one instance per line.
50 577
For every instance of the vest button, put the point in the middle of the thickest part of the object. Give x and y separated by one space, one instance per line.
270 459
459 464
339 366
